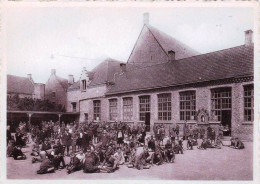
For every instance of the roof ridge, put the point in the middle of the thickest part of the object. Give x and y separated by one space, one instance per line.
176 41
17 76
163 63
212 52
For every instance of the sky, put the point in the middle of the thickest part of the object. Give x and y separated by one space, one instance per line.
69 38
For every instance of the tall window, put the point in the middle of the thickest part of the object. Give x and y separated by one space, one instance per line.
127 109
74 105
84 84
113 109
220 101
164 107
97 109
144 106
249 103
187 105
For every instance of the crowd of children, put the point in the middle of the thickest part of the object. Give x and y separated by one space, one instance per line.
103 147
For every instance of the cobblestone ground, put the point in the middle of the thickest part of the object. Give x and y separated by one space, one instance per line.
210 164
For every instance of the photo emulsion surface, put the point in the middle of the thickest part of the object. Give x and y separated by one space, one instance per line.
129 93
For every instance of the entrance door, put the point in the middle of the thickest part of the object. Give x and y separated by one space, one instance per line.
147 121
226 121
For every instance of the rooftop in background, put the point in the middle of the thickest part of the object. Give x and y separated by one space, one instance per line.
223 64
101 74
21 85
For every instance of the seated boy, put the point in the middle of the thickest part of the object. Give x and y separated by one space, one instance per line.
36 149
46 166
75 164
17 153
169 153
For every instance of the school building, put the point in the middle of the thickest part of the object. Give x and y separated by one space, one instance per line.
165 81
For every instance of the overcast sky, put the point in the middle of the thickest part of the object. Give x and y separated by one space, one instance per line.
39 38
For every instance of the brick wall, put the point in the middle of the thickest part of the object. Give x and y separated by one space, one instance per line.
148 53
39 91
53 85
241 129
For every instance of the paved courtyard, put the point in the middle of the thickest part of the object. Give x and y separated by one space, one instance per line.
210 164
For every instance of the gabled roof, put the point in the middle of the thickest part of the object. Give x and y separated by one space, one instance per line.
101 74
169 43
22 85
105 71
63 82
75 86
223 64
164 41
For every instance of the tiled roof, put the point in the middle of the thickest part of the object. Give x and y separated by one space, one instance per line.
101 74
64 82
228 63
164 41
22 85
104 72
75 86
169 43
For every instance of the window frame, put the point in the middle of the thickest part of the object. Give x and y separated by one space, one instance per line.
96 110
84 84
128 109
113 110
53 94
221 99
248 102
187 105
144 106
164 106
74 109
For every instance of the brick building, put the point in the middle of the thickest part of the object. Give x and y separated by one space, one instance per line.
165 81
56 88
24 87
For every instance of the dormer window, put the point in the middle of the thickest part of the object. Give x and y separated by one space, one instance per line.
84 84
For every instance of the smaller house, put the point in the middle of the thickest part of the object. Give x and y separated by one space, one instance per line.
24 87
56 88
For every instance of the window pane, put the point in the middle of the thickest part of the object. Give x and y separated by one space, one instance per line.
164 106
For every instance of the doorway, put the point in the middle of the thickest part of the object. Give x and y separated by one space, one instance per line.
226 121
147 121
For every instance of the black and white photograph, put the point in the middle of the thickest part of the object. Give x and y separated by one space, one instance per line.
131 93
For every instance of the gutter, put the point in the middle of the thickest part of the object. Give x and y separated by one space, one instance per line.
176 85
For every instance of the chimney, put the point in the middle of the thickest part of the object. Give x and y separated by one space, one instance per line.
171 55
123 67
146 18
248 37
71 79
53 71
29 76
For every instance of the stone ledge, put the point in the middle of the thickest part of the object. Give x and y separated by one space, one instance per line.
188 122
163 123
248 123
214 122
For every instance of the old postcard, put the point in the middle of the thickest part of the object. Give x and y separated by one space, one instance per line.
160 91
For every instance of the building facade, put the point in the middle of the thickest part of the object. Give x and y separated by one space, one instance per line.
56 89
166 82
24 87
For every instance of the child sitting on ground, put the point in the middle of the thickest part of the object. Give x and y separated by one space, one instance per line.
17 153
